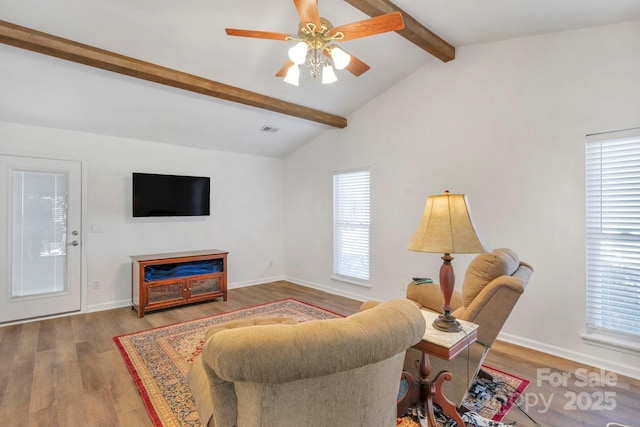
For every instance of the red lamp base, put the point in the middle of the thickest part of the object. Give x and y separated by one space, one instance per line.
446 322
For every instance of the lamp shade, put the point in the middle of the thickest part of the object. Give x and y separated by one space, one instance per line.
447 227
340 58
293 75
328 75
298 53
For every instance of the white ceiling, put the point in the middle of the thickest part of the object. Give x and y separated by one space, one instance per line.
188 35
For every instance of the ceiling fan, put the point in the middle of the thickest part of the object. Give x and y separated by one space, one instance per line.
317 39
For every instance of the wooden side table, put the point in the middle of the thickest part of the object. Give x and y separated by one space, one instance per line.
445 345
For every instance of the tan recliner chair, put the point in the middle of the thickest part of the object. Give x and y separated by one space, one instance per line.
492 285
336 372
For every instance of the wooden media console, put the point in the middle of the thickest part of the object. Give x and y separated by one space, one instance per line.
173 279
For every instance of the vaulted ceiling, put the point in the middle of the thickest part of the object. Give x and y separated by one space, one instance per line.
179 79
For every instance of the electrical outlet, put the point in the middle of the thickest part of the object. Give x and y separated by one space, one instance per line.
95 284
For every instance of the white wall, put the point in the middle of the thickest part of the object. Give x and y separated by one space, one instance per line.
504 123
246 207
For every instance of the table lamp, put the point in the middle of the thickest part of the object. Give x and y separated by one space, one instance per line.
447 227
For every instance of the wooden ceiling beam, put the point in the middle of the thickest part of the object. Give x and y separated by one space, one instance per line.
413 30
36 41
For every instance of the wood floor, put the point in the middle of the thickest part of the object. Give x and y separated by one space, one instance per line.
68 372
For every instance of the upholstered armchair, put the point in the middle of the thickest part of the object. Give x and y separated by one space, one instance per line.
336 372
491 287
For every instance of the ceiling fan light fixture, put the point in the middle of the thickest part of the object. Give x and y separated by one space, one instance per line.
328 75
340 58
316 37
293 75
298 53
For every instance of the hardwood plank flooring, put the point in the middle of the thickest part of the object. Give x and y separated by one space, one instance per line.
67 372
566 393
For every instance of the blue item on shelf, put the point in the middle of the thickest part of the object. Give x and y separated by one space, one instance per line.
170 271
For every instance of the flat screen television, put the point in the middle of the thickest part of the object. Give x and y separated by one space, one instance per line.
170 195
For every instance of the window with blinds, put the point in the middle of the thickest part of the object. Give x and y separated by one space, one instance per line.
613 234
351 225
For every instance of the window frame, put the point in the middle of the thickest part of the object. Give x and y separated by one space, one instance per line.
356 223
612 238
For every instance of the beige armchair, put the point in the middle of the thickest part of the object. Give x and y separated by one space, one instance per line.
337 372
491 287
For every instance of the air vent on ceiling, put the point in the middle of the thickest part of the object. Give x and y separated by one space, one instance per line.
271 129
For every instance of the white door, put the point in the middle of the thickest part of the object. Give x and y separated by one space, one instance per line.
40 211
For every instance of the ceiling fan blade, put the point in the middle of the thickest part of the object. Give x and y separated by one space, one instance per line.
308 11
355 67
380 24
258 34
282 72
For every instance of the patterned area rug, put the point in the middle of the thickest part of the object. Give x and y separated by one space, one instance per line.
490 398
159 358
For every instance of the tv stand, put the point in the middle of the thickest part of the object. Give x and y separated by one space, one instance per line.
168 280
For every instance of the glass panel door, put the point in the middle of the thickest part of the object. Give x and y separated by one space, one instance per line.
40 263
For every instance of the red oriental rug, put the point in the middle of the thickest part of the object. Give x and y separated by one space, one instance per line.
159 358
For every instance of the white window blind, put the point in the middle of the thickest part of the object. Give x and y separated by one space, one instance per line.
351 225
613 233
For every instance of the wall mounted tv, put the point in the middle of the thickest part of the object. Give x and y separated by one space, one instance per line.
170 195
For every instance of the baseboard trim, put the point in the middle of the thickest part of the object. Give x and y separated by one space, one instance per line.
596 362
319 287
108 305
127 303
259 281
